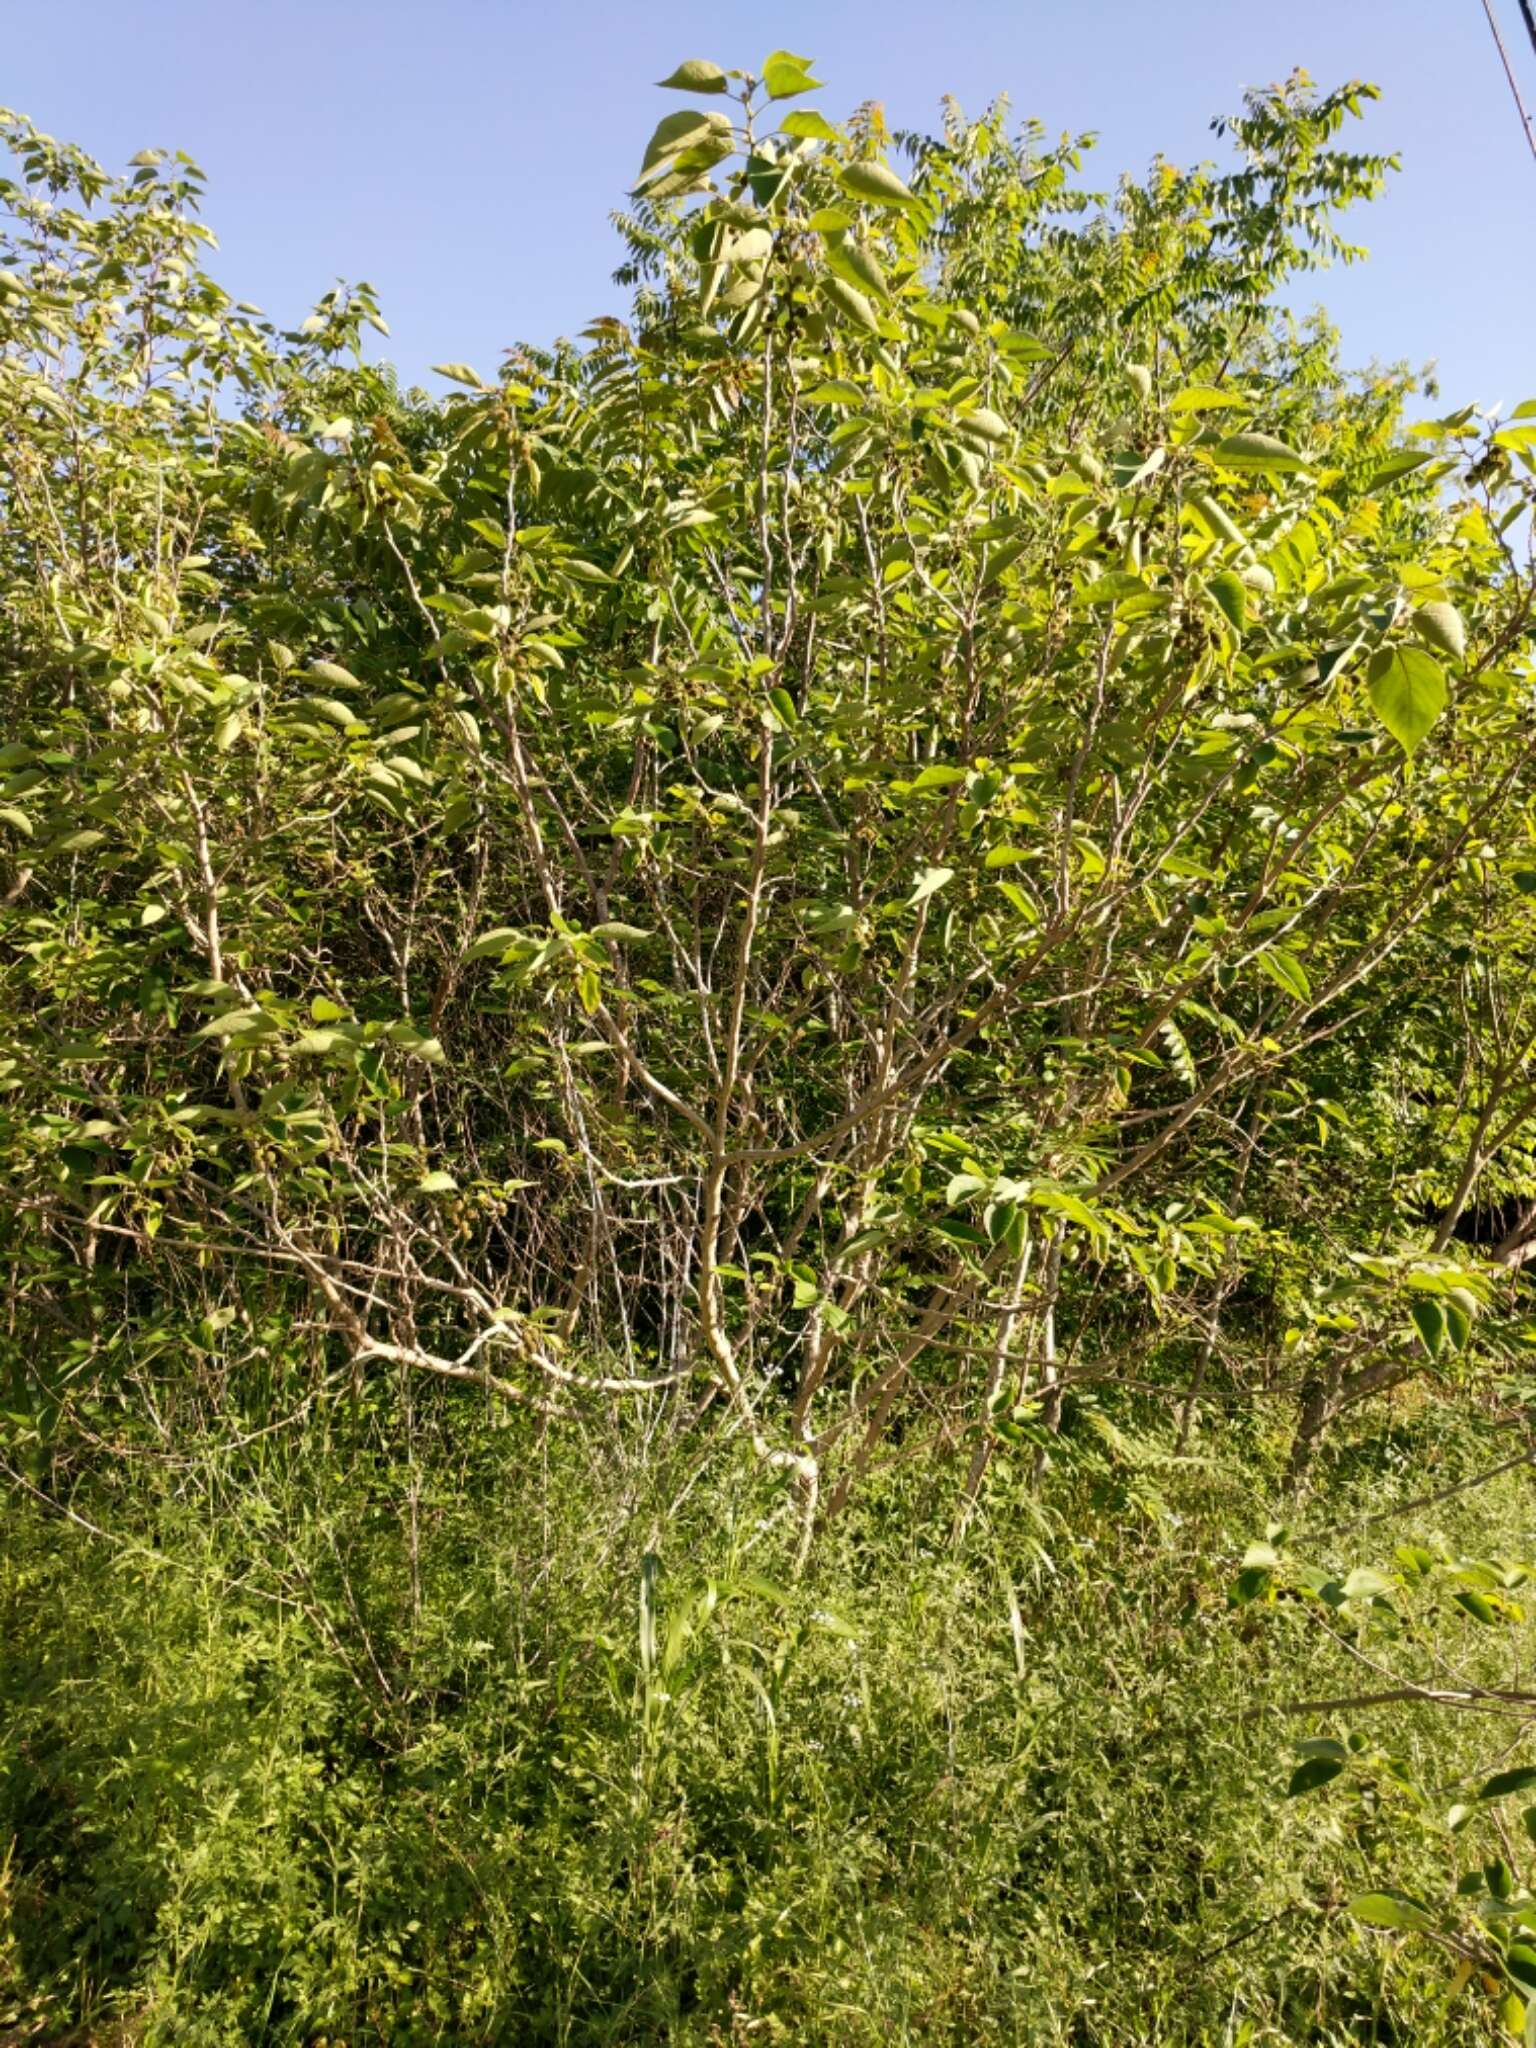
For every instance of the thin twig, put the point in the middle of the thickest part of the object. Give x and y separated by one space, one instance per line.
1427 1500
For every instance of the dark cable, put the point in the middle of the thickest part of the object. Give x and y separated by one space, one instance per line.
1509 71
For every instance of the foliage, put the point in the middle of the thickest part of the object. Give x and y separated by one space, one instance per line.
907 872
262 1790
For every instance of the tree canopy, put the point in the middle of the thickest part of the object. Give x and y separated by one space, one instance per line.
930 831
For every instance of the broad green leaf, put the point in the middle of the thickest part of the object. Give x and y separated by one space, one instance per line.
1228 590
850 301
235 1021
1519 1779
86 840
1365 1584
1389 1909
857 266
984 424
784 74
1439 625
696 74
1315 1772
1285 970
1260 453
1407 691
875 182
1478 1605
333 673
807 125
1112 589
1204 398
929 882
1429 1320
333 711
1399 465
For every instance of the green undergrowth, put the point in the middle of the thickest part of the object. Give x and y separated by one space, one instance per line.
266 1779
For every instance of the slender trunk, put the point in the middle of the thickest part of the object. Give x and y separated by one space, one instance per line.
1050 1374
997 1374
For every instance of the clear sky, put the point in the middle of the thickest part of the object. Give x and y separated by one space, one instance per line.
464 155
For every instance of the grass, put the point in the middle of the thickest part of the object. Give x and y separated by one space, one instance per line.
286 1762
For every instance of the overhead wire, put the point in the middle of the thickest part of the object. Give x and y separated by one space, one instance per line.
1509 69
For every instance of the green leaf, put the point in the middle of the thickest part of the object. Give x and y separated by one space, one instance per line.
1388 1909
696 74
808 126
1365 1584
1520 1779
1204 398
1228 590
1478 1605
984 424
929 882
461 373
1285 970
1261 454
86 840
836 391
857 266
233 1022
437 1183
1439 625
1396 466
850 301
1408 693
1429 1321
1315 1772
627 934
323 1041
1111 589
331 672
686 143
333 711
492 943
784 74
875 182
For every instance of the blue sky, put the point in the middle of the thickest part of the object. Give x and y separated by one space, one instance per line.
464 155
